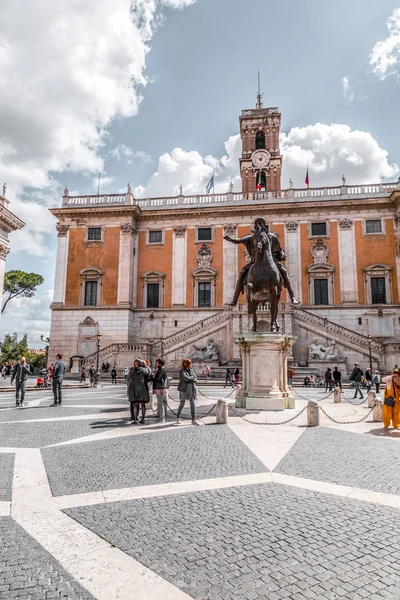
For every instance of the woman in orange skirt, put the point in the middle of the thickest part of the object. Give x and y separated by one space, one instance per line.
391 400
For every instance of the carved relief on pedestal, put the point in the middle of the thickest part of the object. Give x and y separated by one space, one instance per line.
4 250
62 229
292 225
230 229
180 230
345 223
204 256
320 251
128 229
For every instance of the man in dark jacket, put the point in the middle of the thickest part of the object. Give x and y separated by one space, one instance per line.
356 376
337 377
20 374
58 376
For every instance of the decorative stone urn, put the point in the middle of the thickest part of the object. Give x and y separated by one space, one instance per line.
264 364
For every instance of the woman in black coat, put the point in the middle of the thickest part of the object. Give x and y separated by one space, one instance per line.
160 385
138 389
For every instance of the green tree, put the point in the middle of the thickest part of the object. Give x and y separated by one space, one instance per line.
12 348
20 283
36 360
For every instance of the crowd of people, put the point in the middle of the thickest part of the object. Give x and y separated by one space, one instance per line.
54 375
358 380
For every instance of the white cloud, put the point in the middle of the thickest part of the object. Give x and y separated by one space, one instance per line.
104 182
348 93
385 54
121 151
329 150
28 315
67 69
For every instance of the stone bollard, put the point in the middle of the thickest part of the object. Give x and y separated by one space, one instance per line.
222 412
371 398
312 414
377 412
337 395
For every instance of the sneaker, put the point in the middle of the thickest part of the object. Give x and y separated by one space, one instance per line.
178 421
161 420
131 422
54 404
59 404
195 423
142 422
17 405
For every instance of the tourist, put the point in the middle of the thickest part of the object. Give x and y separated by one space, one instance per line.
306 382
312 380
51 368
237 376
187 390
391 400
91 375
207 371
20 374
160 388
83 375
328 379
58 376
228 378
138 390
377 381
356 376
368 379
337 377
114 376
126 373
290 375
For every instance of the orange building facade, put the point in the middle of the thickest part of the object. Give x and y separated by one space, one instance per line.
156 275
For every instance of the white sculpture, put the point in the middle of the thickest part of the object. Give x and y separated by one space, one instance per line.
209 351
316 351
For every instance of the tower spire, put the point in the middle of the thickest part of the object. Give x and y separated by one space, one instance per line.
259 95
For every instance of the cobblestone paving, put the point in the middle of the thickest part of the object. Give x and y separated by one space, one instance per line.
45 412
36 435
345 458
153 458
28 572
260 542
6 476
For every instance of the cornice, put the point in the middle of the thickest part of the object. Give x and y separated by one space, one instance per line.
10 220
74 212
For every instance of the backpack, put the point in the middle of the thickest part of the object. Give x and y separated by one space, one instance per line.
168 383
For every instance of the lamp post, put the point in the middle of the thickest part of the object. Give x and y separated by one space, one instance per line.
47 340
97 380
369 351
162 345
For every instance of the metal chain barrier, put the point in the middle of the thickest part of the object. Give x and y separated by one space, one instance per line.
222 397
268 423
198 416
364 418
349 400
304 398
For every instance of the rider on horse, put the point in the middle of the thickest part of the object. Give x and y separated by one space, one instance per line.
278 255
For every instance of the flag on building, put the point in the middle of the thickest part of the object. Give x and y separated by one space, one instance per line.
210 184
258 181
307 180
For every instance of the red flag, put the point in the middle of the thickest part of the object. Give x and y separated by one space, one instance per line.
307 180
259 181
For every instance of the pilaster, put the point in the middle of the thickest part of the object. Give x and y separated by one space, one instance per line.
179 266
293 252
347 262
230 264
60 280
125 268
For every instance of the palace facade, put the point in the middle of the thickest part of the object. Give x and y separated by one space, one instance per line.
156 275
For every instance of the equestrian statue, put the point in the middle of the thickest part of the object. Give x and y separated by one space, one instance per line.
264 277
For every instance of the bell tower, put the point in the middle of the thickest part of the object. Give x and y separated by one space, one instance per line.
261 160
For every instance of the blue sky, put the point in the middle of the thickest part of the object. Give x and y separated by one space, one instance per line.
74 102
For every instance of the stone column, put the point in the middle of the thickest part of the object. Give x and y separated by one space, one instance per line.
179 266
347 260
4 250
230 264
293 263
125 268
61 264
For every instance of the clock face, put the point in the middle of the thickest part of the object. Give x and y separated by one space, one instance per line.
260 159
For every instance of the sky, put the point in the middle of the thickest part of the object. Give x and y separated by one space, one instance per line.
150 92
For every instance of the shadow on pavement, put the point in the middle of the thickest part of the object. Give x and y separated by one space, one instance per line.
388 433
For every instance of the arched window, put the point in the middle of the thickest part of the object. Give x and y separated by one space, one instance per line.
260 140
261 181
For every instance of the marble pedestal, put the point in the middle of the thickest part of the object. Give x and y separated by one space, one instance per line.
76 364
264 364
320 366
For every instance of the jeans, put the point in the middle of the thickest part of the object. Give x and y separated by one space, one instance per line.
57 385
20 386
377 387
192 407
358 389
161 404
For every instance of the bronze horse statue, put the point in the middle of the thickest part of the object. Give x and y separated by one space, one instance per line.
264 281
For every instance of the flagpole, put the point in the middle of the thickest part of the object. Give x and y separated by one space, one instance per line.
98 186
213 182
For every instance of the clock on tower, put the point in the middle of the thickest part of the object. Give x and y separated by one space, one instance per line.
261 160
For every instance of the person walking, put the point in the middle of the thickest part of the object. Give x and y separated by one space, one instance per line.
58 377
83 375
91 375
368 378
391 400
237 376
20 374
160 388
290 375
138 390
187 390
356 376
328 379
126 373
114 376
376 380
337 377
228 378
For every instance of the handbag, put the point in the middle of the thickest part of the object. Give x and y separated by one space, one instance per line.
389 401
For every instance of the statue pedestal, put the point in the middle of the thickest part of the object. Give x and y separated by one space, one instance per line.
264 364
76 364
320 366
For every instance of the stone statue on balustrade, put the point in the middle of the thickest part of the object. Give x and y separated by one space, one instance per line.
209 351
316 351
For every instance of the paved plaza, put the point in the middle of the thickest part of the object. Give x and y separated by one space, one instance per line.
91 507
